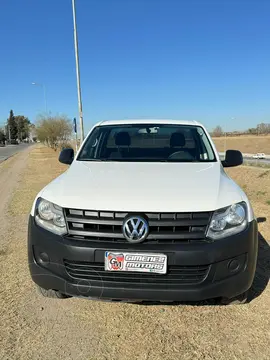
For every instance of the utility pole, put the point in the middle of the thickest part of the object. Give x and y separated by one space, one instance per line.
225 140
257 145
78 70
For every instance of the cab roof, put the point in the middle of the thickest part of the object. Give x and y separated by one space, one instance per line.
149 121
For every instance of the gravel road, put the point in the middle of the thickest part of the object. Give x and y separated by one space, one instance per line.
32 327
9 178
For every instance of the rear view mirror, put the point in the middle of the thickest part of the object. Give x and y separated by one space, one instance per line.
233 158
66 156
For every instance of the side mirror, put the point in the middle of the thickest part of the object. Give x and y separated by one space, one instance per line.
233 158
66 156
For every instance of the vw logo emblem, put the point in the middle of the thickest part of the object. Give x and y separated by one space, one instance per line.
135 229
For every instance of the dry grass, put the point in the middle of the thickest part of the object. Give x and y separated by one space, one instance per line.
247 144
33 327
256 184
43 168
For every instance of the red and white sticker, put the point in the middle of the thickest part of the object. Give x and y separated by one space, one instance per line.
122 261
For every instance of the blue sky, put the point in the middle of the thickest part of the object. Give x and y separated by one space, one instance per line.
203 60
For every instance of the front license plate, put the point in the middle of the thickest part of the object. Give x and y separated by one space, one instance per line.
125 261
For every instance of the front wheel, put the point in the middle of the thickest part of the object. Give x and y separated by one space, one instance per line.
237 300
51 293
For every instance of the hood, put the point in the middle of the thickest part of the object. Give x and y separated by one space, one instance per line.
143 187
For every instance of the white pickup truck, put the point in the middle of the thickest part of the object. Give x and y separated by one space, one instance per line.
259 156
144 214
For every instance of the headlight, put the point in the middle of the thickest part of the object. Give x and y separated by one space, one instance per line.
50 217
228 221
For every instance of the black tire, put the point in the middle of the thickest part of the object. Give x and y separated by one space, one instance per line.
51 293
237 300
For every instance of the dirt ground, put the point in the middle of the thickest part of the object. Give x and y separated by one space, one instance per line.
33 327
250 144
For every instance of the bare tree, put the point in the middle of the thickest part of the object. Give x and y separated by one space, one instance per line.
217 131
263 128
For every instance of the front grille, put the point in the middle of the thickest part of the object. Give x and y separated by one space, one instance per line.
106 226
95 274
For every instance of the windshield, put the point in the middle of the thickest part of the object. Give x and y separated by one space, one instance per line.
162 142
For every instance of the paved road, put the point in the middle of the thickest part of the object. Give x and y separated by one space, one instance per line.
9 150
257 161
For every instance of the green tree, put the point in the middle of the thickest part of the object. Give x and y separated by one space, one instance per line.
252 131
12 126
2 136
23 126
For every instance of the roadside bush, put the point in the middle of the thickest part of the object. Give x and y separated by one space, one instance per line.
54 131
66 145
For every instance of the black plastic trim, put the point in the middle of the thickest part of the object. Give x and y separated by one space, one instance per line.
220 281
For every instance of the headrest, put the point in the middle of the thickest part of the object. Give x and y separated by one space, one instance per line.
177 139
122 139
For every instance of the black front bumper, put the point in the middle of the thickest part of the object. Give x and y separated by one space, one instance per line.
52 257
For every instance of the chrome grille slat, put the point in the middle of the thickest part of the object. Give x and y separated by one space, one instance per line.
96 234
95 221
172 223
